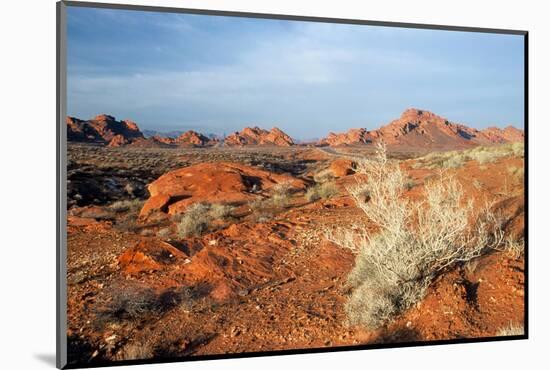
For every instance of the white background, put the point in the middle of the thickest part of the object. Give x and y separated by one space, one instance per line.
27 186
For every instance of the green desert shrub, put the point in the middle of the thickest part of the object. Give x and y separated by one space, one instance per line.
414 242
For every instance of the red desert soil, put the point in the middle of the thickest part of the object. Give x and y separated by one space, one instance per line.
277 284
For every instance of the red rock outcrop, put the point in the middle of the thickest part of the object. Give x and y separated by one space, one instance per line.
507 134
149 255
192 138
341 167
420 128
118 140
258 136
162 139
217 182
353 136
101 129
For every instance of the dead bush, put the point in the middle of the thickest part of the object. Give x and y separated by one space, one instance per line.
130 303
258 204
137 351
513 248
220 211
517 172
126 205
164 233
280 200
481 154
136 303
262 209
195 220
321 191
413 242
281 195
510 330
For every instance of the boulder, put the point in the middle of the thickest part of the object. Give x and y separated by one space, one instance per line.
342 167
212 182
149 255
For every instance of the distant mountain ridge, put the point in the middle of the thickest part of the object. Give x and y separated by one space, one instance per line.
421 128
414 128
151 133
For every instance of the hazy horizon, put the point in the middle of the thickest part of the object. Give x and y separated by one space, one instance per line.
218 75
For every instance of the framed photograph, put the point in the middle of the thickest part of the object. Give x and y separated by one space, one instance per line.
236 184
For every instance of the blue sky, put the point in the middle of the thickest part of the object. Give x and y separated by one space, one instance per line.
219 74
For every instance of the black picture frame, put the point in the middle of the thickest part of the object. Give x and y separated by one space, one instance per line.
61 175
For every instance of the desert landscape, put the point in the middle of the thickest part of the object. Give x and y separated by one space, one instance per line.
201 244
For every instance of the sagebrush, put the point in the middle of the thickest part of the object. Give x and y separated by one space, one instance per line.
321 191
510 330
412 242
481 154
195 220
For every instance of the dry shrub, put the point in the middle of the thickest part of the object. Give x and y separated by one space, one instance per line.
324 176
511 330
258 204
221 211
129 303
282 188
281 194
164 233
262 209
481 154
513 248
126 205
321 191
136 303
137 351
415 241
195 220
517 172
